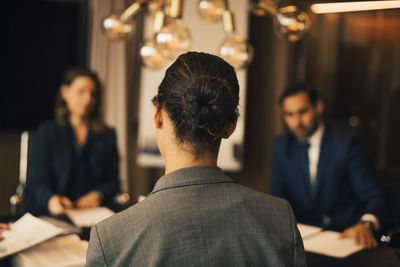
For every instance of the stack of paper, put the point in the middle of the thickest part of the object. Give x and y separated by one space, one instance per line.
25 233
68 228
327 242
308 230
58 252
88 217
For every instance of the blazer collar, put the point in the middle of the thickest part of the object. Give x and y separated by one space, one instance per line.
191 176
64 151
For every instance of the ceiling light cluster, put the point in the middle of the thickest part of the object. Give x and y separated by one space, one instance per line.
171 37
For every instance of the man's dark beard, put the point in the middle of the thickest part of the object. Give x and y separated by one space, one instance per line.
313 128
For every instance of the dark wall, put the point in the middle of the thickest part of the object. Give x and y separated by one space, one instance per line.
9 165
354 61
41 40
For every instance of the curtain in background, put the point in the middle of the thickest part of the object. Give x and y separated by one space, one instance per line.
108 59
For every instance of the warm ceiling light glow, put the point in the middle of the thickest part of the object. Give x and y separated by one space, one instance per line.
353 6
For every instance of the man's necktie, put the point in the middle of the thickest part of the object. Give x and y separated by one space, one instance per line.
304 145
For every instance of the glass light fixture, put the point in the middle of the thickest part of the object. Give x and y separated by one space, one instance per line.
152 56
211 10
291 22
117 29
235 50
263 7
171 36
174 38
155 5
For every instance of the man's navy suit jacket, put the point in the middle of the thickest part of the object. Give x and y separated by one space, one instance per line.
346 187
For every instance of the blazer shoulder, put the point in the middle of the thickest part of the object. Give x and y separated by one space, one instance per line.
339 136
278 201
337 131
121 218
282 139
48 125
281 209
282 144
48 129
275 203
111 132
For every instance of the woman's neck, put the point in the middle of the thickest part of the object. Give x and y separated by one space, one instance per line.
80 127
178 159
77 121
178 155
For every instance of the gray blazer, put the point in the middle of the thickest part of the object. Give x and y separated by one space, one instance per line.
199 217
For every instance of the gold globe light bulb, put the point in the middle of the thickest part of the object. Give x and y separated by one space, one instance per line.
211 10
292 23
263 7
235 50
152 56
174 38
117 29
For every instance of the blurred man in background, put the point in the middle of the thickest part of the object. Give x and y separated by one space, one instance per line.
323 172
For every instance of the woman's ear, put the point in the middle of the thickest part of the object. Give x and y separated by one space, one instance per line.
230 128
157 118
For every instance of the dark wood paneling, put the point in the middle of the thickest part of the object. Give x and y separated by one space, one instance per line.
9 168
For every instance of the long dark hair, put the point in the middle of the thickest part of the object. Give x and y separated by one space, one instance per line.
61 110
200 93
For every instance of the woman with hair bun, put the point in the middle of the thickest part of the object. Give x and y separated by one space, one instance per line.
196 215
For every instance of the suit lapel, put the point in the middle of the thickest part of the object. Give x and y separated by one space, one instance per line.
304 184
65 154
323 161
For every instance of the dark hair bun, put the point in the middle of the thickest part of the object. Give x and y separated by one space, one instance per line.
203 105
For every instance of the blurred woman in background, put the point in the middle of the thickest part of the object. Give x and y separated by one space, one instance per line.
73 159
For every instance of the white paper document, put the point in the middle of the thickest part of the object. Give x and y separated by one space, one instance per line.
308 230
25 233
328 243
63 251
88 217
68 228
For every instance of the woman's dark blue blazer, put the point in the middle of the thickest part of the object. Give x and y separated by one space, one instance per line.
55 163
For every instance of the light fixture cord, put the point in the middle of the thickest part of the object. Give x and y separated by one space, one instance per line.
226 2
227 19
